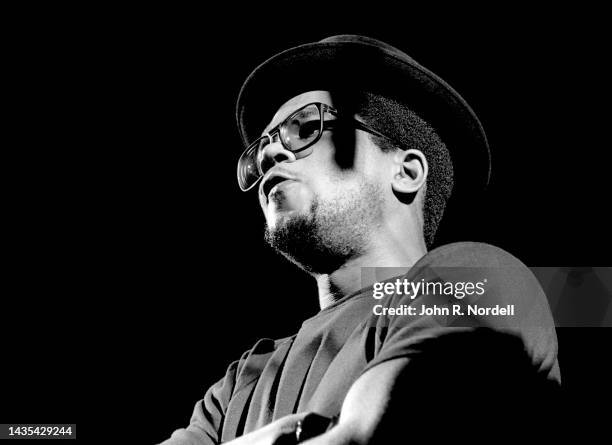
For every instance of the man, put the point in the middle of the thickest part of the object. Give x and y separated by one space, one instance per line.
356 150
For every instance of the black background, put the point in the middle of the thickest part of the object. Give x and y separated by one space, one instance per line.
137 270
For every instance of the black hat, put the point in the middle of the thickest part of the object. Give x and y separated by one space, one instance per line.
351 61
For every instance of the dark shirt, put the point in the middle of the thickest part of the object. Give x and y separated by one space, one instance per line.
314 369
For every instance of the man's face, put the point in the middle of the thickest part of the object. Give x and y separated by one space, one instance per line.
333 199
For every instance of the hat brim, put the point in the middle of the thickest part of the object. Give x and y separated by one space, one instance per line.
332 65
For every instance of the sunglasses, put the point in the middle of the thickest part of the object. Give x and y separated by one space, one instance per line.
297 133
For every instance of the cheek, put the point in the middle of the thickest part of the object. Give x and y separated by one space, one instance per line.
301 196
337 186
326 181
367 162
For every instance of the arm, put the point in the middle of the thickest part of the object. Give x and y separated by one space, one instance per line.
279 432
362 411
487 393
462 383
364 406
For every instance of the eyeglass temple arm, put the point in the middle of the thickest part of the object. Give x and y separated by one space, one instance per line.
362 126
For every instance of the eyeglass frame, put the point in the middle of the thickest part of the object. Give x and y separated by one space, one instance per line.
322 108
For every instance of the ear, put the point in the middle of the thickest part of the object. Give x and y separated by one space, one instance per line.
411 173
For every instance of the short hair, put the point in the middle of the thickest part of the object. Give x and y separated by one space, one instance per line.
400 123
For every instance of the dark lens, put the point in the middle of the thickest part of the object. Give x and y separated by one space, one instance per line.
309 130
301 128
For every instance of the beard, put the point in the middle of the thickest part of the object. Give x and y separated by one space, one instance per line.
332 232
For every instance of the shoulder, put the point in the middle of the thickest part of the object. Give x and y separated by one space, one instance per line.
470 254
472 258
505 279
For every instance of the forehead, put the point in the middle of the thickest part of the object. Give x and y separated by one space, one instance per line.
296 102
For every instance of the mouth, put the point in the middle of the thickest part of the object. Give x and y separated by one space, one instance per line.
271 182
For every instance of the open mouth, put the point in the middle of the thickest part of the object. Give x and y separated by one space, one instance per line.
272 182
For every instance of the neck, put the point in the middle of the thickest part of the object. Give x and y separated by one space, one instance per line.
386 258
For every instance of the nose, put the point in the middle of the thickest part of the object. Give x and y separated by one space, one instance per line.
273 153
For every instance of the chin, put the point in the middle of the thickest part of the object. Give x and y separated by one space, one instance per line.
276 217
286 206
